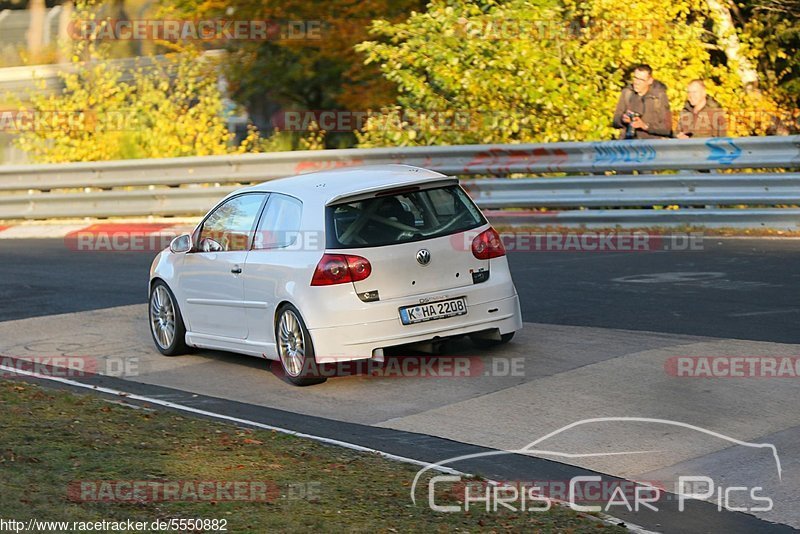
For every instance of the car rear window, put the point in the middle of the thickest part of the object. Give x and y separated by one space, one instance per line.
401 217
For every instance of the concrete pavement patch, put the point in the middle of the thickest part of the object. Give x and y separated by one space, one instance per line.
570 373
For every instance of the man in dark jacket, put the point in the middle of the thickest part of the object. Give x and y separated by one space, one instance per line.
702 116
643 108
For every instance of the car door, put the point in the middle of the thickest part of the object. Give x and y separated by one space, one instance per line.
211 278
278 255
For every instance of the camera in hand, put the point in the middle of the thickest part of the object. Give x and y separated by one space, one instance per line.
630 131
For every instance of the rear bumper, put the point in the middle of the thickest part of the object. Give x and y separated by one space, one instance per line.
358 341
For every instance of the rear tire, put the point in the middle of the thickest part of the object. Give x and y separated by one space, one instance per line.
295 348
166 321
484 343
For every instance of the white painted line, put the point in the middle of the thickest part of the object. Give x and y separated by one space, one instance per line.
44 231
611 520
198 411
40 231
764 237
769 312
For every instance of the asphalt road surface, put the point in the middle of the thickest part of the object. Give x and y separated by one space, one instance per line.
600 329
733 288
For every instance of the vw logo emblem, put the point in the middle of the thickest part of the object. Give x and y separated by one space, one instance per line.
424 256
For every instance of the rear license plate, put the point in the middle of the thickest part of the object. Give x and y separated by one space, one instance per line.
431 311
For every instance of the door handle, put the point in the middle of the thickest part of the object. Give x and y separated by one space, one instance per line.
236 270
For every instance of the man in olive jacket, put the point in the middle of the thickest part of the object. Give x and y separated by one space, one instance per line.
702 116
643 108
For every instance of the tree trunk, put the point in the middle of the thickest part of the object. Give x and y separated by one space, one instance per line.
37 11
729 42
64 36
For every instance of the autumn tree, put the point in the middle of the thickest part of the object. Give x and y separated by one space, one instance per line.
164 107
542 71
308 62
770 36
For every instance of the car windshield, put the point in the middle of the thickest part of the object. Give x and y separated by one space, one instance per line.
407 215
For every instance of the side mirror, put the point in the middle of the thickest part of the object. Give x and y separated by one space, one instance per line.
182 243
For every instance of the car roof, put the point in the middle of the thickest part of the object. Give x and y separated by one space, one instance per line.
328 186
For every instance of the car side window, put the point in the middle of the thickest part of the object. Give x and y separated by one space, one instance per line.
229 227
443 201
280 224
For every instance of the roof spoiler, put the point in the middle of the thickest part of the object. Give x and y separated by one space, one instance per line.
393 189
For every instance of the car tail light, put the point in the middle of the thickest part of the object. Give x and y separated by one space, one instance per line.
488 245
340 269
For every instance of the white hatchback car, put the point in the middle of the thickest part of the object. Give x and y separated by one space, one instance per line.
335 266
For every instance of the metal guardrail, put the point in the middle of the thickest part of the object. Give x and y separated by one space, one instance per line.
134 203
47 79
780 219
640 190
187 186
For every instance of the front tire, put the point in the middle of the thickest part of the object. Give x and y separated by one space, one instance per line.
295 349
166 321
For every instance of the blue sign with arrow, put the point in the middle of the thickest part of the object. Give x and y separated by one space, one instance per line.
723 150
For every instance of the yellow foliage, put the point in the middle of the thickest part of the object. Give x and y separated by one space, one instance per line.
168 108
314 139
522 71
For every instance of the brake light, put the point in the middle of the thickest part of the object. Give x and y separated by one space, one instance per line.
339 269
488 245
